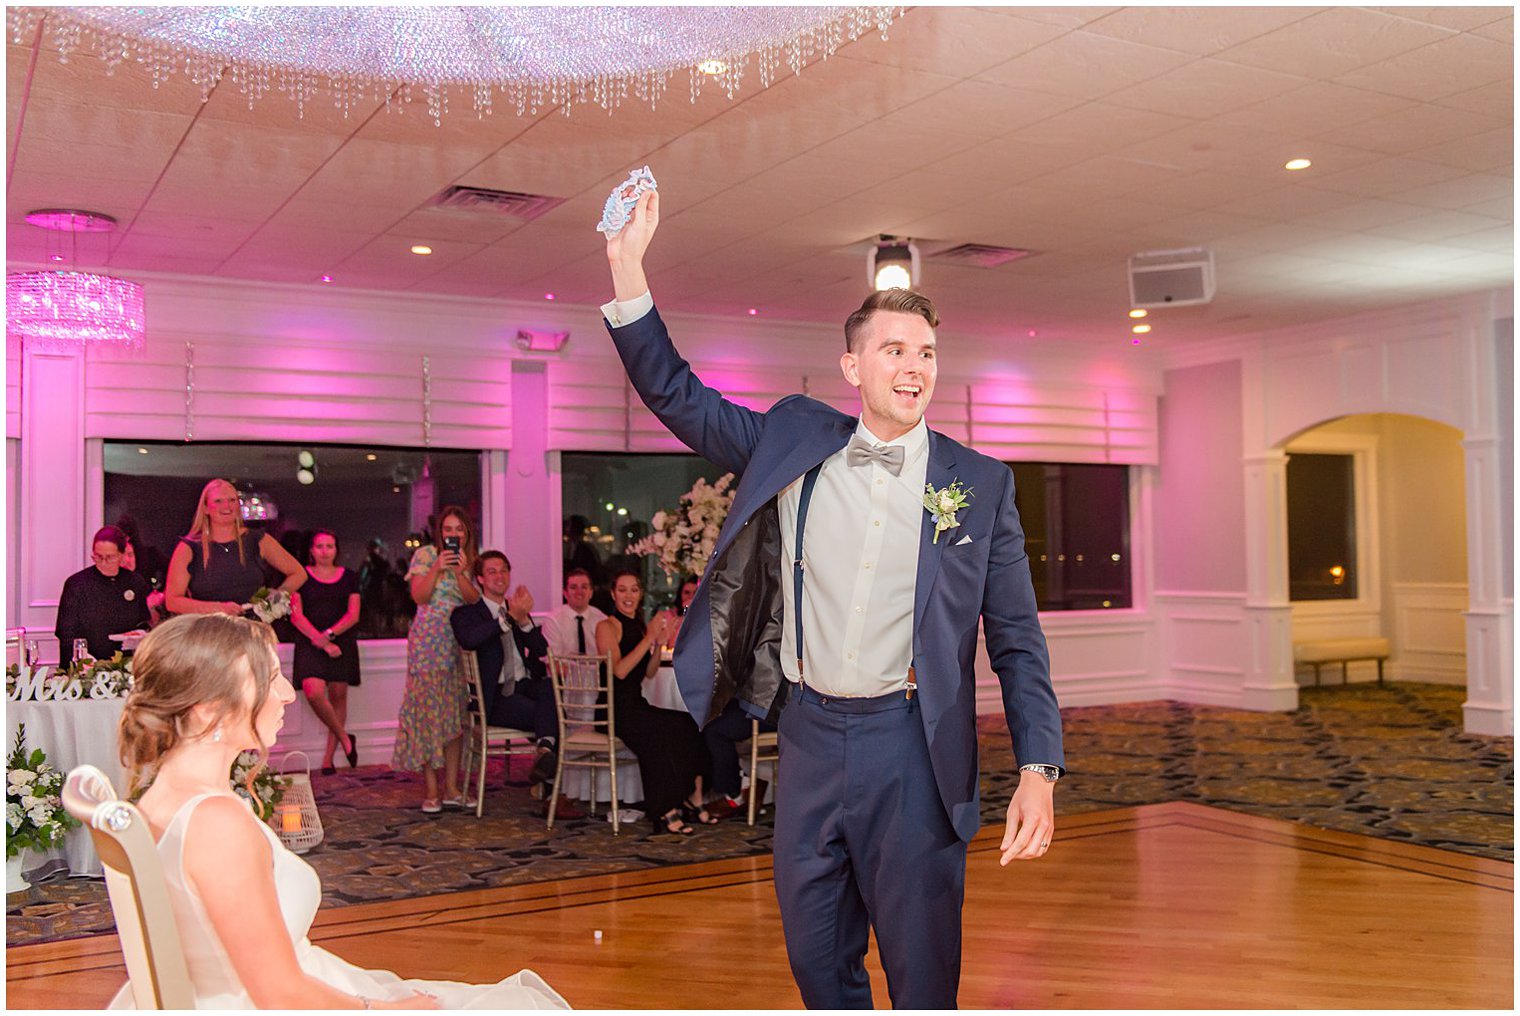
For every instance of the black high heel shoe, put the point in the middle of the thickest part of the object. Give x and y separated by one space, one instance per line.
664 824
696 813
352 754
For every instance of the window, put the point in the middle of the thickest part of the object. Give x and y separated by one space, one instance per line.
608 499
379 501
1322 563
1076 532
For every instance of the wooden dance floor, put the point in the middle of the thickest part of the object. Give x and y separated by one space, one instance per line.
1163 906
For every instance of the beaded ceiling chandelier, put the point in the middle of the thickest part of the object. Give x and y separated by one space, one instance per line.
533 57
58 308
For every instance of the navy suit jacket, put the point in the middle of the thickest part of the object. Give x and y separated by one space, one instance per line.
476 627
959 582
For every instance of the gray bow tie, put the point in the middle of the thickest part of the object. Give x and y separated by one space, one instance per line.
861 453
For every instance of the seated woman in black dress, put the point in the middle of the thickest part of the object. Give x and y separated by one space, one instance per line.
219 565
102 600
672 757
324 612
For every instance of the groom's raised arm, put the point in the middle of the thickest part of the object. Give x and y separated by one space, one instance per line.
701 417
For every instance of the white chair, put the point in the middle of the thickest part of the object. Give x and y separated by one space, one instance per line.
145 924
587 729
485 741
763 747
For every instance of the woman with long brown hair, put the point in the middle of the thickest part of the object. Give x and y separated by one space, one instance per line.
218 566
430 732
206 688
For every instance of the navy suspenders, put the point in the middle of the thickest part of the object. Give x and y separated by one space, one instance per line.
802 510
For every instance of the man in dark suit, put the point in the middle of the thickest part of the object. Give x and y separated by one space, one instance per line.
861 553
511 650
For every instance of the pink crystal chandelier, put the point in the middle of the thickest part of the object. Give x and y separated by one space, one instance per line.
61 307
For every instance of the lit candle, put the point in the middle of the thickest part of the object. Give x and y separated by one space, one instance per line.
290 819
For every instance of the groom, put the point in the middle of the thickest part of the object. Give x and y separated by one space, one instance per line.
835 591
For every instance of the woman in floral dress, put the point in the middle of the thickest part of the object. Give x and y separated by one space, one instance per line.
433 709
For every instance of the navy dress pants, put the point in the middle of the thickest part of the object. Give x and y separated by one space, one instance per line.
862 841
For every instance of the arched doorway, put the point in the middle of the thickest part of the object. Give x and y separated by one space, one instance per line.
1377 545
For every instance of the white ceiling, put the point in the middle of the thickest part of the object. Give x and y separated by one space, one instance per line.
1085 133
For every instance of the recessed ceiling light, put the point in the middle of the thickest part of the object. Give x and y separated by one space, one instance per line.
1293 164
1137 313
421 248
1141 329
712 66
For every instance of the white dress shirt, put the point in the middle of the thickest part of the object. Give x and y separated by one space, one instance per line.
860 570
860 561
513 669
559 629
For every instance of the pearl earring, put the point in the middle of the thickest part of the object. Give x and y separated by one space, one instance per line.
216 735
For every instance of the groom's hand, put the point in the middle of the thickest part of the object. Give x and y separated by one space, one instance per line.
625 248
1031 819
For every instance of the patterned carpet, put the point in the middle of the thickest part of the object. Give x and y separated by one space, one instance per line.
1390 762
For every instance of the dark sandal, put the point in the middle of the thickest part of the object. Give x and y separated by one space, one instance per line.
352 754
663 825
695 813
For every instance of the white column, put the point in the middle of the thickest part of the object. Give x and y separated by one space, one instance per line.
532 523
1490 705
1269 683
52 490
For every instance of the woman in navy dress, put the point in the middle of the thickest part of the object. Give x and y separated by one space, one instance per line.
219 565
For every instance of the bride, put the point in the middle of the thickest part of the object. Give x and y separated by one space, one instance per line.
206 687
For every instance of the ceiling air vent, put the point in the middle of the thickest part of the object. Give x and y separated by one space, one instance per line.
481 199
980 255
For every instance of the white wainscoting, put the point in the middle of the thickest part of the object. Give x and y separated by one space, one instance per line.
1429 632
372 708
1204 645
1095 659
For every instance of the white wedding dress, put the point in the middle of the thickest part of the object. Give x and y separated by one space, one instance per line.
300 893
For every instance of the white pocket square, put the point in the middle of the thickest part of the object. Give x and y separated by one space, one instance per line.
963 540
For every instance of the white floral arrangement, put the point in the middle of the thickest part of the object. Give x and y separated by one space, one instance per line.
34 815
268 788
269 605
683 539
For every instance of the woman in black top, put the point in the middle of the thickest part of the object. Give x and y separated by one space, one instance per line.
327 650
672 756
102 600
220 565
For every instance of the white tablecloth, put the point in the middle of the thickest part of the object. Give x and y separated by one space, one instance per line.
71 733
661 690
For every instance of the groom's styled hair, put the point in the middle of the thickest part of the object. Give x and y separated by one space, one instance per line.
902 301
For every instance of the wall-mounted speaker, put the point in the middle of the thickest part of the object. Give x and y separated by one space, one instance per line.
1171 278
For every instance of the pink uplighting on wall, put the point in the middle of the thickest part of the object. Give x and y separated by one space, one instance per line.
548 296
754 311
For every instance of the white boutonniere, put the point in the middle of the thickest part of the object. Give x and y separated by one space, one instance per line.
942 505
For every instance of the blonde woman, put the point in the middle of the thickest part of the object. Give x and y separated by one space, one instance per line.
432 722
207 687
219 565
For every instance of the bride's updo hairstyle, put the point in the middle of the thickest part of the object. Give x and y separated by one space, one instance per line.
191 660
